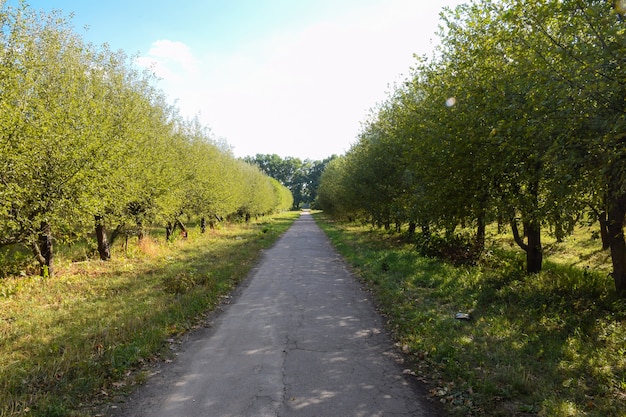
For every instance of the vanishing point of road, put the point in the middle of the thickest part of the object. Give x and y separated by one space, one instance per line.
300 339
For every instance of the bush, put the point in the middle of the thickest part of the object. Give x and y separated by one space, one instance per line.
456 249
184 281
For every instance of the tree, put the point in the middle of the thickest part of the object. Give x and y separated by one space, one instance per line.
86 140
314 177
334 193
51 147
533 130
129 117
258 196
582 44
301 177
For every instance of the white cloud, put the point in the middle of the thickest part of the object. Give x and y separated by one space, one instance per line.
302 93
170 60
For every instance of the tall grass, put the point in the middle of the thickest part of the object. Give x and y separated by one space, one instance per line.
551 344
78 338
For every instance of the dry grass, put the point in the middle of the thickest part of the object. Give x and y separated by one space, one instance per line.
76 338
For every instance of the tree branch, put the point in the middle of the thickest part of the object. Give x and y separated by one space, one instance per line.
516 235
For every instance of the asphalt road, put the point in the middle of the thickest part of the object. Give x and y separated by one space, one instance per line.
300 339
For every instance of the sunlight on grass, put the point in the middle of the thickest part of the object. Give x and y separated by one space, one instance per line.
82 334
551 344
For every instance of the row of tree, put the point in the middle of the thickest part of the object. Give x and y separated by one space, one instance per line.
87 140
520 118
302 178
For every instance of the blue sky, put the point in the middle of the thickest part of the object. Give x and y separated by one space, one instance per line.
291 77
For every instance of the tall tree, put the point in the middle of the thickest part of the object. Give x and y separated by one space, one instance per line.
301 177
50 143
583 46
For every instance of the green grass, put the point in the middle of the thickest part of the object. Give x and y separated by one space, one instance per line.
551 344
81 337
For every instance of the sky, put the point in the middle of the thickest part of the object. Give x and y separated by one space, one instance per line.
295 78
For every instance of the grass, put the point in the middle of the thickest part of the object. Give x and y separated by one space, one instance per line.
551 344
81 337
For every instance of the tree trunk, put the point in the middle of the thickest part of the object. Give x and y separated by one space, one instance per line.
604 227
559 232
42 247
501 224
534 255
183 229
104 248
412 228
615 229
203 225
169 229
604 230
140 233
480 232
533 249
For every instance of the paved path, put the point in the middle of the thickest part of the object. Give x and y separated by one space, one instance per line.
301 339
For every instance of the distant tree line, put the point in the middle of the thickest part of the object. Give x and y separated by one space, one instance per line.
88 141
519 118
300 177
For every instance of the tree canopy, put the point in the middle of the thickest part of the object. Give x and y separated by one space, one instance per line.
300 177
86 139
519 117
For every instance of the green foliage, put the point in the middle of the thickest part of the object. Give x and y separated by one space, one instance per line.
333 195
284 197
300 177
518 118
86 140
261 195
457 249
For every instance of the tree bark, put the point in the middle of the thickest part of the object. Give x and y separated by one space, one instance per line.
203 225
559 232
534 255
140 234
533 249
604 230
604 227
104 248
169 230
615 229
183 229
43 250
481 232
516 236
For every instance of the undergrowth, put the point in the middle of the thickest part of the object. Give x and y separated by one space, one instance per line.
550 344
81 337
